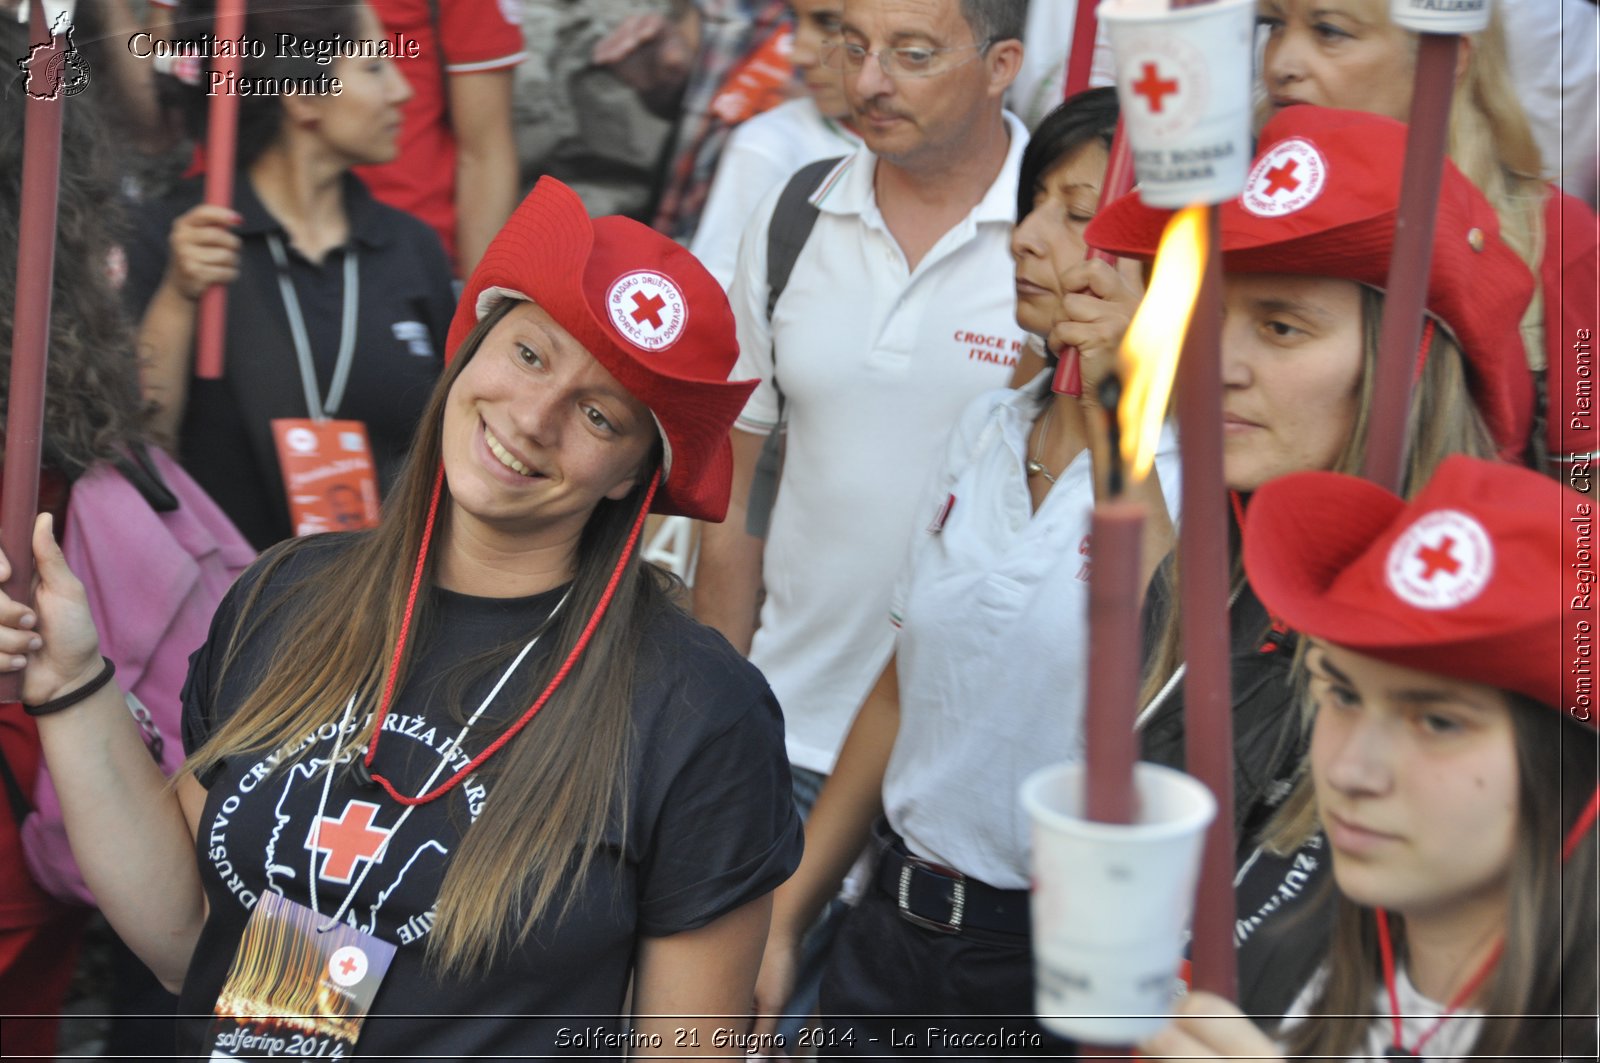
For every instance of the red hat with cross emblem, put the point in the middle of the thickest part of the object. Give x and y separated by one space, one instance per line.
646 309
1466 580
1321 200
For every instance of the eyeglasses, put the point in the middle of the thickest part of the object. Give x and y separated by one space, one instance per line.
850 57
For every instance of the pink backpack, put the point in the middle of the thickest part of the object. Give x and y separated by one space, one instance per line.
156 556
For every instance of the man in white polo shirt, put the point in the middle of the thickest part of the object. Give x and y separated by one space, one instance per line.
899 309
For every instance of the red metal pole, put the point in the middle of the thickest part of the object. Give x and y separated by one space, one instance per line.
1080 56
30 334
1116 531
221 139
1117 183
1409 265
1203 590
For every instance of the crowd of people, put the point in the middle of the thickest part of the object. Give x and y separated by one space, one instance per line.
351 700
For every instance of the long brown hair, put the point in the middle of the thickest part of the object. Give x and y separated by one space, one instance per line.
557 785
1539 1003
1444 420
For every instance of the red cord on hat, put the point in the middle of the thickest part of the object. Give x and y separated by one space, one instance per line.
1422 348
1387 949
1581 827
555 681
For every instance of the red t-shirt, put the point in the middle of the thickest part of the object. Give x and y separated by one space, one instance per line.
478 35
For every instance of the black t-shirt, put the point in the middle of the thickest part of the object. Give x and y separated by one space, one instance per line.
711 824
403 313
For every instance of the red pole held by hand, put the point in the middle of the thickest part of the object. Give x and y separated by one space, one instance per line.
221 139
30 333
1118 181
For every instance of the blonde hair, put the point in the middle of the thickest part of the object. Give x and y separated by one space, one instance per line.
1491 142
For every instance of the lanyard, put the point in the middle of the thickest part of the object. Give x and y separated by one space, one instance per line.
1398 1049
555 680
315 409
444 758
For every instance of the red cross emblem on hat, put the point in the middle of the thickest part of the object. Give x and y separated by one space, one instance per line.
1286 179
648 309
348 840
1444 560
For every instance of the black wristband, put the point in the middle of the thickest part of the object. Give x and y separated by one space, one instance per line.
83 693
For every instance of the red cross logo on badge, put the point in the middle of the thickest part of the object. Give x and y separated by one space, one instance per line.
347 966
648 309
1442 561
347 840
1288 178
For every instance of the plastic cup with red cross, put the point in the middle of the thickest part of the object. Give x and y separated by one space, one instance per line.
1111 902
1183 80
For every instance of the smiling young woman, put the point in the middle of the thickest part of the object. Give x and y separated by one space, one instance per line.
482 736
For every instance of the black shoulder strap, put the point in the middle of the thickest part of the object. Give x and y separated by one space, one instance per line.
792 221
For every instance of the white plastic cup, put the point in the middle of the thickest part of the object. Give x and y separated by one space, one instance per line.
1111 902
1183 82
1431 16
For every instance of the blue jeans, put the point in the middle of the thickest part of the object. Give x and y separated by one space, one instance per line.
814 948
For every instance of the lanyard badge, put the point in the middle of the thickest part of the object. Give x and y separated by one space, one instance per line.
328 473
296 991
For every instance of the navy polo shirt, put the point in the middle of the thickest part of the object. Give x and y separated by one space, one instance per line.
404 309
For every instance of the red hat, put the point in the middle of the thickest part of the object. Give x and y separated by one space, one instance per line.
1321 200
646 309
1465 581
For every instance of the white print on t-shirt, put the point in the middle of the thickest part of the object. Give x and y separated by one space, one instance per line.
354 833
1294 881
414 334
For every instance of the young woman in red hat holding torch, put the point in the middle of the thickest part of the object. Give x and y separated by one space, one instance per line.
1305 255
374 840
1453 766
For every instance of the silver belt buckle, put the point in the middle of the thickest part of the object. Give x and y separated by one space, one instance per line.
958 902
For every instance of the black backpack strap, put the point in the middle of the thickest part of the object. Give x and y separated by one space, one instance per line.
792 221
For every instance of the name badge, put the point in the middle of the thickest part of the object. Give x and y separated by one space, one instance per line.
328 474
293 991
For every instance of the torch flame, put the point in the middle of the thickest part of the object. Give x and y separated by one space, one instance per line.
1155 337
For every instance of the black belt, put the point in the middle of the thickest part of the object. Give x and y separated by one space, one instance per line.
938 898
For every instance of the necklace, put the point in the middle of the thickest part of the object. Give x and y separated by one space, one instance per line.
1033 465
1398 1049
